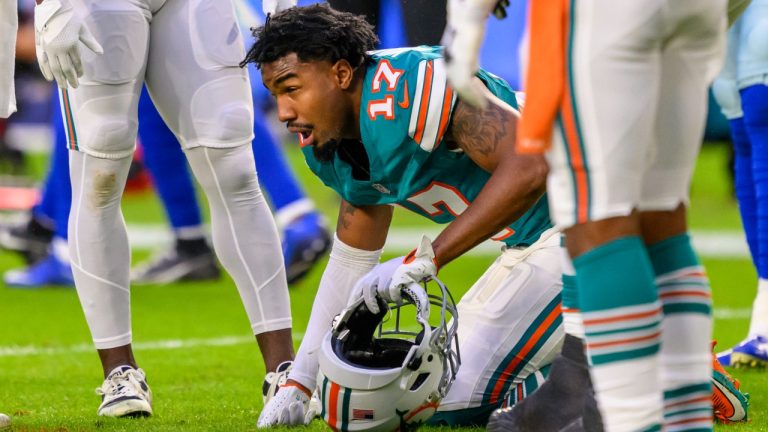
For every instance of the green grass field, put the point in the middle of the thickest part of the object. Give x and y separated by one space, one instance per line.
203 365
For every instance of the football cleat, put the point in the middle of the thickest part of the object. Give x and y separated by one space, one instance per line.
49 271
565 402
305 241
125 393
30 239
176 265
728 402
752 352
274 380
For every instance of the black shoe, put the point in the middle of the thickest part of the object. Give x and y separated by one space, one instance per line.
30 240
178 264
562 403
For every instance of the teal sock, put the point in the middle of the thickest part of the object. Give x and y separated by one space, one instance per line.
686 334
619 303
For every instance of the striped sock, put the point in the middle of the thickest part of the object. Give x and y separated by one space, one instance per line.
686 333
621 313
573 324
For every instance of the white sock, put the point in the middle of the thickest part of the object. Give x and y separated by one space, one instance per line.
290 212
758 325
345 266
98 247
244 234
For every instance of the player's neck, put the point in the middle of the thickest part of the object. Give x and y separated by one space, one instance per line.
356 94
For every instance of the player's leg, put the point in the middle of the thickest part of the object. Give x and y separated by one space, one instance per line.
510 327
596 163
690 59
100 118
305 237
755 106
54 267
568 389
209 107
190 257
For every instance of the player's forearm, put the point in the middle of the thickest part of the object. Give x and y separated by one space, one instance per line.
364 227
508 194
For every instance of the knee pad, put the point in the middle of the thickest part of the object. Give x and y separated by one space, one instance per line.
215 35
757 42
124 35
106 136
222 113
727 96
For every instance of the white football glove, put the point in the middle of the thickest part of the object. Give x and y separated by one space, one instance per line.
377 279
462 39
58 31
289 407
274 6
416 267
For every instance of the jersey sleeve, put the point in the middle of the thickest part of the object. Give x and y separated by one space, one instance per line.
433 101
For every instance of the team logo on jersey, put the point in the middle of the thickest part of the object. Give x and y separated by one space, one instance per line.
381 188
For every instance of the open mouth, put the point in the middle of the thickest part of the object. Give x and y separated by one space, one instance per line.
304 133
306 138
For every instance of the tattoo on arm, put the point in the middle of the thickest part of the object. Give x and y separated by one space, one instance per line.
347 211
476 130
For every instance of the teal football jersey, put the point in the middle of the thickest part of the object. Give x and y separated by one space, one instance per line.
404 113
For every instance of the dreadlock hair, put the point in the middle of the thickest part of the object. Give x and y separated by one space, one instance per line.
315 32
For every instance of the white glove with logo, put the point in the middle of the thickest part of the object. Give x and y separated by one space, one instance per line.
462 39
417 266
58 31
289 407
274 6
376 279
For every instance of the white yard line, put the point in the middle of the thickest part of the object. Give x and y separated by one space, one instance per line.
174 344
160 345
711 244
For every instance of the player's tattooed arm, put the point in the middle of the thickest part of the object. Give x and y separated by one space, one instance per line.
363 227
517 181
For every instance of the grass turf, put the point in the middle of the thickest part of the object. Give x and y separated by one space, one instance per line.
202 363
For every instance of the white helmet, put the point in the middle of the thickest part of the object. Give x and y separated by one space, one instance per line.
390 374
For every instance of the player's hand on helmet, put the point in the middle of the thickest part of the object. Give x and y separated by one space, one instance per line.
376 280
290 406
462 39
417 266
58 33
275 6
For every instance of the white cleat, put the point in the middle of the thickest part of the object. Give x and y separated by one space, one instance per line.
274 380
125 393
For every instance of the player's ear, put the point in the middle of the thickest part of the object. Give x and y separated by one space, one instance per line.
343 73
